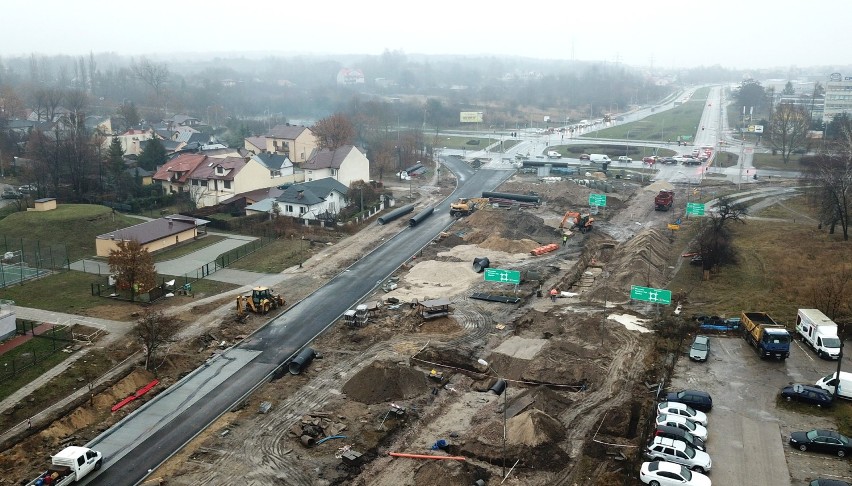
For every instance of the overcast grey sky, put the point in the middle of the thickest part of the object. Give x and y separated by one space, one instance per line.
732 33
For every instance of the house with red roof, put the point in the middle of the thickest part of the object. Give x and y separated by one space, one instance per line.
174 174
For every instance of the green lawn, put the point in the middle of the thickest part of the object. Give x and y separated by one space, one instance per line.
681 120
26 362
459 143
70 228
769 161
275 256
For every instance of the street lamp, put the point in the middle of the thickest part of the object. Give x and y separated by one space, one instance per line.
505 391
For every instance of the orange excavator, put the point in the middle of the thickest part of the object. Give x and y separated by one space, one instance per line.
574 220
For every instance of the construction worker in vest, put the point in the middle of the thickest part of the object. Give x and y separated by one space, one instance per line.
564 238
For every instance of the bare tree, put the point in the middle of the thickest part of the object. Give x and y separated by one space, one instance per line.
833 293
788 129
833 174
155 330
715 240
334 131
154 75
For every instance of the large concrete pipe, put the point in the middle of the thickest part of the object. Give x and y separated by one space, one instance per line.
301 361
513 197
480 264
396 213
415 220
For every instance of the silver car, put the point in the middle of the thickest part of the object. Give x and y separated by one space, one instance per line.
700 348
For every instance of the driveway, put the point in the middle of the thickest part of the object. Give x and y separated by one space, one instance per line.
191 263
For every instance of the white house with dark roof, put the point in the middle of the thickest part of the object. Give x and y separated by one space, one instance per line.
345 164
308 200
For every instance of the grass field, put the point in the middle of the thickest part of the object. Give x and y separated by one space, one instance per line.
775 272
73 226
681 120
275 257
187 248
33 357
769 161
459 143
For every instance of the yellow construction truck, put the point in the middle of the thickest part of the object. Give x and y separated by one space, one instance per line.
464 206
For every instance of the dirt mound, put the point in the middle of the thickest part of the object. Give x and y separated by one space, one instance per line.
461 357
520 225
564 194
641 260
448 473
533 428
551 402
565 362
384 381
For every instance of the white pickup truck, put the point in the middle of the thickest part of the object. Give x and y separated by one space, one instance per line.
69 466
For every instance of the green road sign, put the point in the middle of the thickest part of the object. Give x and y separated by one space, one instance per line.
502 276
648 294
597 199
695 208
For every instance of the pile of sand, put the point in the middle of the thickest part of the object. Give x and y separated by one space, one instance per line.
383 381
533 428
641 260
430 279
512 252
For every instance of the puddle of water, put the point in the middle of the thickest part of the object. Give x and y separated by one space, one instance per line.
632 323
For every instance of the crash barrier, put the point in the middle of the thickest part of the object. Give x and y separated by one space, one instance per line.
480 264
419 217
395 214
301 361
544 249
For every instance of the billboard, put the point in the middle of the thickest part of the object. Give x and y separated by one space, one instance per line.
470 117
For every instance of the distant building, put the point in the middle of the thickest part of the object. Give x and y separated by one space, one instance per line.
297 143
838 96
348 76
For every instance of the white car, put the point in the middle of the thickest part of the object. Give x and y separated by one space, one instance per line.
675 408
679 452
681 158
684 423
663 473
624 158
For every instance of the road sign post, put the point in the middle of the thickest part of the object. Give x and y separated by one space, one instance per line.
696 209
649 294
502 276
597 199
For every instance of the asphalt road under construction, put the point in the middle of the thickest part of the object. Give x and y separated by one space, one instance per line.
149 436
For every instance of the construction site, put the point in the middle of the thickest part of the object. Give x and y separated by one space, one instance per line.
442 376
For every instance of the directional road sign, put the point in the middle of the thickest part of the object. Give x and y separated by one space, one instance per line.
597 199
502 276
648 294
695 208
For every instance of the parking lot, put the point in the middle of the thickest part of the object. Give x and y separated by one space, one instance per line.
748 431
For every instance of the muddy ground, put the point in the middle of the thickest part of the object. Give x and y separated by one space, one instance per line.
577 400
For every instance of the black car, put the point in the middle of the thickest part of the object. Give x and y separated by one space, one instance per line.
680 434
696 399
828 482
807 394
822 441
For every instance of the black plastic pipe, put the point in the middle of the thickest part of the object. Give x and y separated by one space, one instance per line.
396 213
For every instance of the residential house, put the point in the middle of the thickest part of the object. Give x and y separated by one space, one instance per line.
255 144
348 76
152 235
131 140
219 179
174 174
298 143
345 164
182 121
320 199
145 177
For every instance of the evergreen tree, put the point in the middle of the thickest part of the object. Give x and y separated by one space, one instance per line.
153 155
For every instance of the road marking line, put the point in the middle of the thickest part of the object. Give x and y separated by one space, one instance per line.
803 350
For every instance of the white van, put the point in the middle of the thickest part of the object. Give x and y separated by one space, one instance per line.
828 383
599 158
819 332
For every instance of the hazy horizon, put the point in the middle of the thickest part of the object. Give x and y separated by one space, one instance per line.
666 34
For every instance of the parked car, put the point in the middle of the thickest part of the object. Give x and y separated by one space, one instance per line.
822 441
10 193
678 452
649 160
696 399
700 348
828 482
680 434
624 158
28 189
585 156
676 408
684 423
663 473
669 161
807 394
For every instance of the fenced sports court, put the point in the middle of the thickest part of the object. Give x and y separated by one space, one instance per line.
16 266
